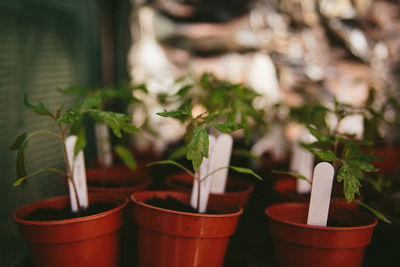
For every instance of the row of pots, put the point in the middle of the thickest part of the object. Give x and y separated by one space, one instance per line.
173 238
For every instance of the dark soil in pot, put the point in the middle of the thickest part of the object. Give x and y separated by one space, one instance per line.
51 214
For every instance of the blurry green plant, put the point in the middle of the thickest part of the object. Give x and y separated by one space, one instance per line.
68 121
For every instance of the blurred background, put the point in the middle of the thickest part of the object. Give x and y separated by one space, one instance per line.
288 51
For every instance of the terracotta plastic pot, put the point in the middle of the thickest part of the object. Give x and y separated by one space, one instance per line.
238 197
118 180
391 157
301 245
170 238
286 190
78 242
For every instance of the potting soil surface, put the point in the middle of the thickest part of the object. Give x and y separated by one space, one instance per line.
50 214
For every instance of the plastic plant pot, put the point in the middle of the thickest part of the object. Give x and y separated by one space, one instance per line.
239 196
85 241
286 191
169 238
118 180
301 245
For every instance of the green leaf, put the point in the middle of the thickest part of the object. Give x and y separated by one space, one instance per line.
38 109
197 148
173 114
74 90
75 113
59 110
246 171
180 152
70 116
324 155
126 156
80 142
228 127
172 162
18 141
182 91
319 135
116 121
351 183
378 214
293 174
363 166
25 178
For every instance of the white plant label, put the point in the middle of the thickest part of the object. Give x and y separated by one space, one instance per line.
302 162
104 151
221 158
79 174
320 194
206 184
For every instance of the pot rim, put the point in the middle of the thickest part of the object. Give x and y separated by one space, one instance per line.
153 192
249 185
121 200
314 227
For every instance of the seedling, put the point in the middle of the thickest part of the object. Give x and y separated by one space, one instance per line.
109 95
344 152
197 138
68 121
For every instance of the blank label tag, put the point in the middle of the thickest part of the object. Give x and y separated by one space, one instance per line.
104 152
221 158
320 194
206 184
79 174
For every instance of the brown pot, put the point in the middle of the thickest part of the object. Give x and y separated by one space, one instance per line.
239 196
286 190
170 238
118 180
301 245
78 242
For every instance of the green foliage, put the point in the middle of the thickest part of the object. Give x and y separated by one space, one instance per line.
126 156
116 121
293 174
69 120
197 148
38 109
228 127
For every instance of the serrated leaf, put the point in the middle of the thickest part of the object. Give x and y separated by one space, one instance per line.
246 171
116 121
324 155
363 166
38 109
197 148
75 113
70 116
351 183
80 142
228 127
126 156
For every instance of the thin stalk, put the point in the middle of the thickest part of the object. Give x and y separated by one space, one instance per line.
69 170
44 132
198 190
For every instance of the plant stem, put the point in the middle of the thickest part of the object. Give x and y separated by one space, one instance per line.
69 169
44 132
198 190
